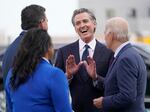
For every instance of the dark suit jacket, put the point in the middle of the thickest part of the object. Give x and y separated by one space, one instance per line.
83 92
125 83
10 54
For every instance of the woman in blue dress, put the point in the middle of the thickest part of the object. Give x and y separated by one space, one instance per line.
33 84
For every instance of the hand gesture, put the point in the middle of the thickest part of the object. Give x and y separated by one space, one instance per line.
71 66
91 67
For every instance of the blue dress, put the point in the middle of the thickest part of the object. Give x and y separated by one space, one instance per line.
46 91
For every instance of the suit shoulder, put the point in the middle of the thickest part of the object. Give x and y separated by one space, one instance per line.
101 44
69 46
14 45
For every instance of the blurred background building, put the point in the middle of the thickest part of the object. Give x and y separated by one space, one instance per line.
59 13
137 12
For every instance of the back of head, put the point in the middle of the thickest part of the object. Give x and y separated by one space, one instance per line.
31 16
119 27
34 46
36 42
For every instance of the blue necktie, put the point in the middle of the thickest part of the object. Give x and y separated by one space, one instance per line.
84 58
85 53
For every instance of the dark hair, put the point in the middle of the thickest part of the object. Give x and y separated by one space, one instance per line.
82 10
33 47
31 16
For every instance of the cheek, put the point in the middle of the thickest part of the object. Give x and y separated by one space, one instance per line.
94 26
45 26
107 41
76 29
105 38
51 53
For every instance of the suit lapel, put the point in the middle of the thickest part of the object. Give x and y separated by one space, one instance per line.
115 60
111 66
75 51
98 51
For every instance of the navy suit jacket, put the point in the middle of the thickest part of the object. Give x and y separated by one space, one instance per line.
125 83
82 91
10 54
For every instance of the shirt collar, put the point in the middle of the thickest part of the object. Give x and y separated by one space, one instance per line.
91 44
119 48
25 30
45 59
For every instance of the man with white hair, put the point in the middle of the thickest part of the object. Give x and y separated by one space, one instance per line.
125 83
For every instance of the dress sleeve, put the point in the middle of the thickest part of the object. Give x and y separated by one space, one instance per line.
60 92
8 94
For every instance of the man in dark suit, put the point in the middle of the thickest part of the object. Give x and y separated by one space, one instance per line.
125 81
32 16
69 59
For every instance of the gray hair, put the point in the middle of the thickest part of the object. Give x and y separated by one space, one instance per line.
83 10
119 27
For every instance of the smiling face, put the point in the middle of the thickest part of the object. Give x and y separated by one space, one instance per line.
84 26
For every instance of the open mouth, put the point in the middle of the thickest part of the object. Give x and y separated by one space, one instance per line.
83 30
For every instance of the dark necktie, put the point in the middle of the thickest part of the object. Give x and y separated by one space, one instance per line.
84 58
85 53
111 60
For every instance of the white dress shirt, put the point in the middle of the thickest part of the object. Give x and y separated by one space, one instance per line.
119 48
91 44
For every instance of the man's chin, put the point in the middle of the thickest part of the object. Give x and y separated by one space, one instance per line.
86 37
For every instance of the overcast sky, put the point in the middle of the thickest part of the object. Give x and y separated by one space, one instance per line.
59 14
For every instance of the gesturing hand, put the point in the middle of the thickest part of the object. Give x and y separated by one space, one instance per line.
91 67
71 66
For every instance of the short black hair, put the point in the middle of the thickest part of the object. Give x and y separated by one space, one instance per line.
31 16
